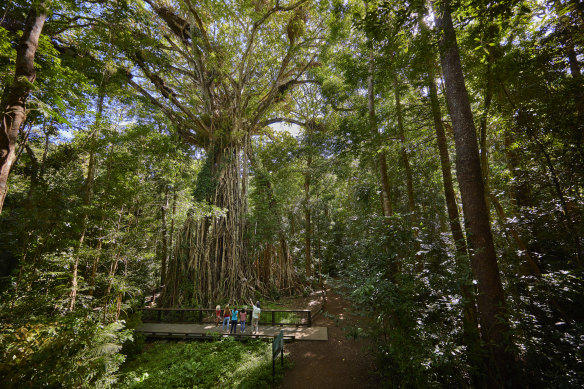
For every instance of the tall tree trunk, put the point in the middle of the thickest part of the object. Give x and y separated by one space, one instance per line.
404 153
382 159
491 300
107 189
485 115
307 212
87 193
14 109
164 232
318 248
469 311
567 213
470 314
577 77
385 185
451 206
210 252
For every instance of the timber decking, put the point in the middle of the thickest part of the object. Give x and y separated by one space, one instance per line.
174 330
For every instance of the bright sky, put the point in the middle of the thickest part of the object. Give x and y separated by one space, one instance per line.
292 129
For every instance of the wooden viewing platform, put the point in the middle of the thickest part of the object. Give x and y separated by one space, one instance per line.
210 331
199 323
288 317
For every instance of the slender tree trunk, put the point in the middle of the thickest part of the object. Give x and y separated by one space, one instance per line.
485 115
469 318
451 206
577 76
382 159
318 249
532 263
164 232
567 213
404 153
14 109
34 174
385 185
491 300
307 217
87 194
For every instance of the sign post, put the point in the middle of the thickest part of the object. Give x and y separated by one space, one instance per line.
277 346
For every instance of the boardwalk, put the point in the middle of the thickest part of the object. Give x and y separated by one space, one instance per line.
203 330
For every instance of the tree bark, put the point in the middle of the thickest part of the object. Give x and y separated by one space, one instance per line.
14 109
491 300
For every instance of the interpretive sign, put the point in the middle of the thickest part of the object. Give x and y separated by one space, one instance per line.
277 346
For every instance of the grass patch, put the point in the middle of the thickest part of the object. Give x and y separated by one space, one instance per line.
226 364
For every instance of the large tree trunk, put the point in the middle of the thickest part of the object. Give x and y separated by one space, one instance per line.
14 109
382 160
469 311
210 252
470 314
491 300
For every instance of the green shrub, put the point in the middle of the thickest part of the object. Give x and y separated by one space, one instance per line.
225 364
71 353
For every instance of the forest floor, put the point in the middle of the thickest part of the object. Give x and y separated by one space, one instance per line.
344 361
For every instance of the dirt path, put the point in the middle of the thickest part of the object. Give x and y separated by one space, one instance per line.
341 362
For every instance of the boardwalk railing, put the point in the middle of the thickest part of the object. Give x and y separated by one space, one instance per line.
300 317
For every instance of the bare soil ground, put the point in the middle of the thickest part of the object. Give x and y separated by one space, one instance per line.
342 361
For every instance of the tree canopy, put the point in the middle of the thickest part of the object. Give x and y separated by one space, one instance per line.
428 156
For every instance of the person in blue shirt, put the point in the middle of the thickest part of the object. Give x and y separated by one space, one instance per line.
234 316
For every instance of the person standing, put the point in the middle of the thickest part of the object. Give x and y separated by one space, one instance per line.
226 316
234 313
242 318
217 315
255 318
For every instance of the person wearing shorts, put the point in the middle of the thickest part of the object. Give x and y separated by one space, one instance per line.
255 318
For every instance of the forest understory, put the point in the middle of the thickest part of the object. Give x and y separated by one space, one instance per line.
425 158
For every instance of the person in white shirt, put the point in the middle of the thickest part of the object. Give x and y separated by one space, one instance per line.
255 318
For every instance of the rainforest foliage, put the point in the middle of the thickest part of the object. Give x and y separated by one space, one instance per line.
428 155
